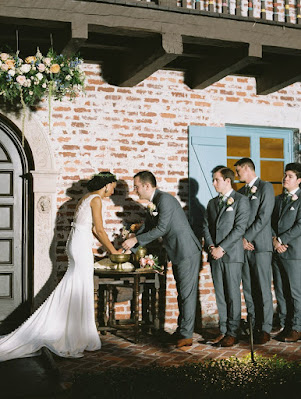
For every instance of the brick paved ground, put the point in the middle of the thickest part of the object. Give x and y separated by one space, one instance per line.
120 351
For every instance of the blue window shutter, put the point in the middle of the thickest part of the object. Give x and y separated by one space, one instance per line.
207 149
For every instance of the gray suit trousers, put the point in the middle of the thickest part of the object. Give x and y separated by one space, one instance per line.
287 282
226 279
257 283
186 274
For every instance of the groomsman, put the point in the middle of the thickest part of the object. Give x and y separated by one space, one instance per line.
286 223
225 224
168 220
257 242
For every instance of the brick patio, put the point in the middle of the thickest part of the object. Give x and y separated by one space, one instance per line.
120 351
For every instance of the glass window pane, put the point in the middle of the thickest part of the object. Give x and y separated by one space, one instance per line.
238 146
272 171
271 148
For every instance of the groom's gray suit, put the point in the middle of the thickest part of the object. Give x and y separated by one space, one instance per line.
183 249
286 224
257 268
226 228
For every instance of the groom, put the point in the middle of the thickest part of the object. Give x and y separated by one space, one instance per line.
168 220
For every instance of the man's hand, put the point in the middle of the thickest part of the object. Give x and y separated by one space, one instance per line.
217 252
280 248
129 243
248 245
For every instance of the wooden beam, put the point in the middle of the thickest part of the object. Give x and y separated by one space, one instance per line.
278 76
226 62
79 35
130 70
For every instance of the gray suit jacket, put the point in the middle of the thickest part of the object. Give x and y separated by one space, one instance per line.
259 230
172 225
227 227
286 224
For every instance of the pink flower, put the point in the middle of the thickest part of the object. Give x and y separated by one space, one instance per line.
4 67
142 262
21 80
253 189
294 197
150 262
4 56
41 67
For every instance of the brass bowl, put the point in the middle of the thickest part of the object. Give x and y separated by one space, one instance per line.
120 258
140 253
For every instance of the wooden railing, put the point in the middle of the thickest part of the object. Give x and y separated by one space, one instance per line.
285 11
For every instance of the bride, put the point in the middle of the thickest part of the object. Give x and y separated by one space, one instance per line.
65 322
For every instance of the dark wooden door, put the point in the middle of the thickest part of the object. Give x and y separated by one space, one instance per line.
12 284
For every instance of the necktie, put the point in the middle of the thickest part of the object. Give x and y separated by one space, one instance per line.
286 198
247 190
221 202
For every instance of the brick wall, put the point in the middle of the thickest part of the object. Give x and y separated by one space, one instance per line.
146 127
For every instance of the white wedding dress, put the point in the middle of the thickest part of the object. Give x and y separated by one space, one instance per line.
65 322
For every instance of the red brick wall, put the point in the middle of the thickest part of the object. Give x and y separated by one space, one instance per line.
146 127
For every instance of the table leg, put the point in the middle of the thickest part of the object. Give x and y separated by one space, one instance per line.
156 315
136 306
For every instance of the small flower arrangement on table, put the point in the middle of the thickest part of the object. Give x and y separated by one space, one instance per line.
150 262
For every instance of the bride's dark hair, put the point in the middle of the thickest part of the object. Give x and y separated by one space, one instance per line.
100 180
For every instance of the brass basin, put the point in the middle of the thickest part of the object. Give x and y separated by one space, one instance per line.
120 258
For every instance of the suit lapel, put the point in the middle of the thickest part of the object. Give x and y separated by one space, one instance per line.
224 207
284 209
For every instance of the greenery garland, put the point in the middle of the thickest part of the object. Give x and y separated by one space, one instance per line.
28 81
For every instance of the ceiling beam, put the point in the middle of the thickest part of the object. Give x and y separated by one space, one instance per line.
129 70
79 35
227 62
278 76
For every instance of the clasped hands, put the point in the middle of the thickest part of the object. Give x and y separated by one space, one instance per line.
280 248
216 252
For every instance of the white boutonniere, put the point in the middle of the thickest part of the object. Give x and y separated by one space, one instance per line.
253 189
294 197
152 209
230 201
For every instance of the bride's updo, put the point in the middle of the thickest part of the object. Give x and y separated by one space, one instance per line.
100 180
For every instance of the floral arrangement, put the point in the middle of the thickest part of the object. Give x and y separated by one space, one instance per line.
27 81
150 261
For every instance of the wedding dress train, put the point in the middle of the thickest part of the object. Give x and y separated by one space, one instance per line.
65 322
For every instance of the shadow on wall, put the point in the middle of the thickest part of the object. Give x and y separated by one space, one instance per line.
187 191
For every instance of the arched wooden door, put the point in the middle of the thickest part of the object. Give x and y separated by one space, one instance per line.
14 234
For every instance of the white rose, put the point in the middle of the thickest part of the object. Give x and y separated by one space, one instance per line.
4 67
4 56
39 76
12 72
47 61
44 85
68 77
25 68
41 67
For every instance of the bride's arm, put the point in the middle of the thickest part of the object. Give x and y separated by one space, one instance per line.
98 228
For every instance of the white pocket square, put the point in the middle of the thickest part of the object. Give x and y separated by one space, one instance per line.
253 197
155 213
292 208
229 209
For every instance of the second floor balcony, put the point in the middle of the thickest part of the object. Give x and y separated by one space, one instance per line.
207 40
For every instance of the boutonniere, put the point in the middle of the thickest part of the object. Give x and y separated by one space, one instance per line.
152 209
294 197
253 189
230 201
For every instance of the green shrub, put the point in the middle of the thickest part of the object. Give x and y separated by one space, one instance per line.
225 378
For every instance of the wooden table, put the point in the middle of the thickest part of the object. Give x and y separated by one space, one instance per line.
138 276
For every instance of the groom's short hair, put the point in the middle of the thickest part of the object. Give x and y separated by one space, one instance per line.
227 173
147 177
245 161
